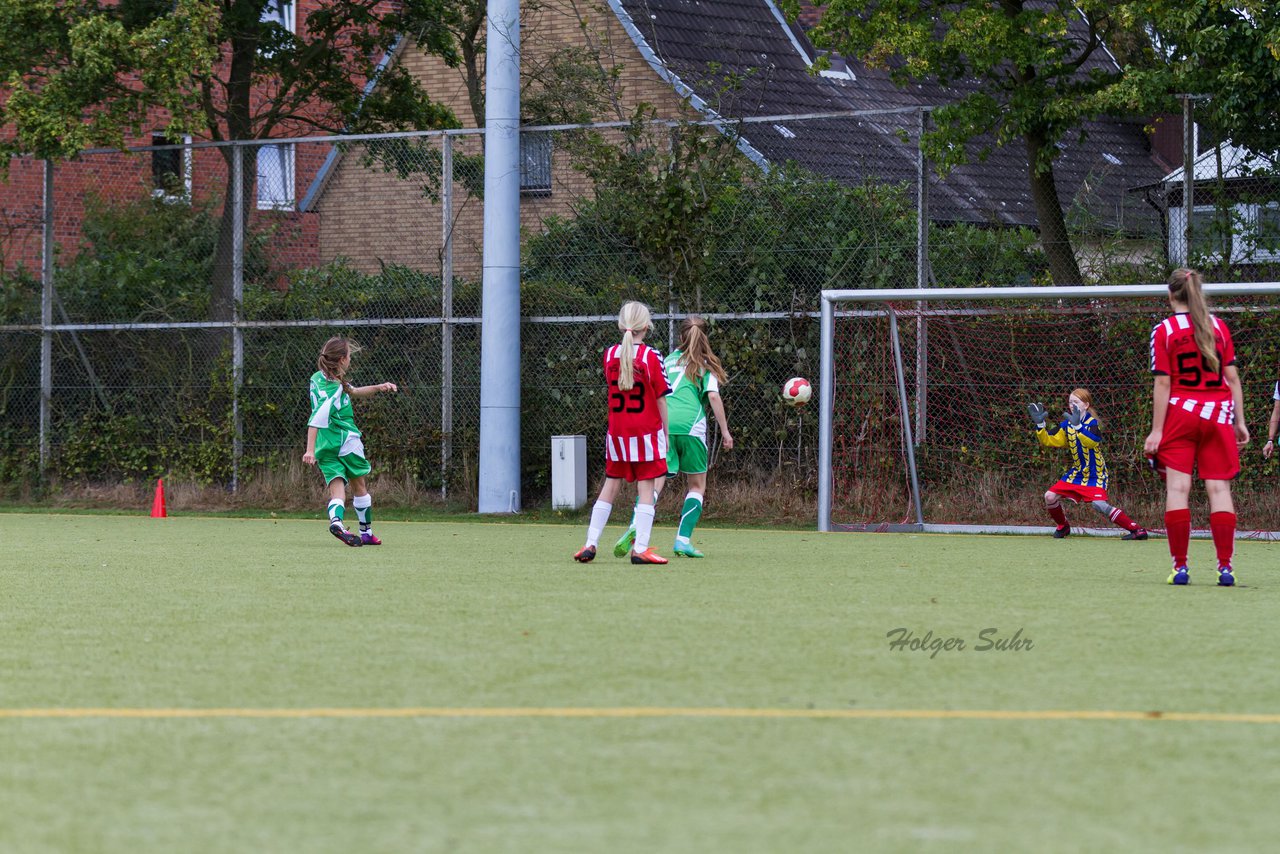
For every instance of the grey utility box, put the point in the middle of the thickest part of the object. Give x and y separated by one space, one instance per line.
568 472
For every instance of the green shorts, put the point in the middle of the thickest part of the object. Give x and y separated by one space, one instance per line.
687 454
346 467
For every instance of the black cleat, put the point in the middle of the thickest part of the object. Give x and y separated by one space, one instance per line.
343 534
1138 534
586 554
1064 531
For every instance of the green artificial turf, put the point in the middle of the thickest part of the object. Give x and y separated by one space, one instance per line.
184 614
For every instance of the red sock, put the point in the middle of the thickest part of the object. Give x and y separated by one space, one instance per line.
1223 526
1058 516
1177 524
1122 519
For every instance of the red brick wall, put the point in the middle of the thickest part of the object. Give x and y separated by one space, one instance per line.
121 176
811 13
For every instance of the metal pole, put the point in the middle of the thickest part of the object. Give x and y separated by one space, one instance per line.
922 279
671 313
499 487
1188 176
446 317
906 420
826 414
672 136
46 320
237 297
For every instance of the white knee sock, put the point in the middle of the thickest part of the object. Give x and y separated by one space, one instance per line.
362 503
336 510
599 518
644 526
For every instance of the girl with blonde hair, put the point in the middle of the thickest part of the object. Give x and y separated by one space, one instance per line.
1197 421
695 375
636 441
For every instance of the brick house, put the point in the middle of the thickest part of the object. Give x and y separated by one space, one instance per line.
372 219
168 172
676 55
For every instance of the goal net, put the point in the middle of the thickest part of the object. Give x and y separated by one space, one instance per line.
924 397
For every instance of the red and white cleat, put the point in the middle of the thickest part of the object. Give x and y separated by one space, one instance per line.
647 556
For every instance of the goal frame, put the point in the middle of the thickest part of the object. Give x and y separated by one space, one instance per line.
865 302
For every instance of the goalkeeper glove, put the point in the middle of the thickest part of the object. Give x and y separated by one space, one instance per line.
1038 414
1074 416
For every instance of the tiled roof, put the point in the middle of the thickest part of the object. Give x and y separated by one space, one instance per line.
705 43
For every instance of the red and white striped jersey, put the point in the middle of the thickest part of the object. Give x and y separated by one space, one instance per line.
1193 386
635 432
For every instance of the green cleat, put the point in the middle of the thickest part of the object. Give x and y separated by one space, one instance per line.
622 547
686 550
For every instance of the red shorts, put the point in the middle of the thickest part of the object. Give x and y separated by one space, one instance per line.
1191 443
1078 493
631 472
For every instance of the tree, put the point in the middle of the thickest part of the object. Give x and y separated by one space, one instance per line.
1228 51
72 77
1023 70
89 73
662 189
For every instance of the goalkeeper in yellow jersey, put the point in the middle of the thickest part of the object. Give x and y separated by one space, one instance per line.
1080 433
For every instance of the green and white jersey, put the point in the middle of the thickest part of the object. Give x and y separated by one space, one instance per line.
331 415
687 403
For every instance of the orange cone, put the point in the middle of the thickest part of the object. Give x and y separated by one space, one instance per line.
157 503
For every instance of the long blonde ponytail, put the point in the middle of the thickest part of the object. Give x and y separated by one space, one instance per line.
1185 286
634 322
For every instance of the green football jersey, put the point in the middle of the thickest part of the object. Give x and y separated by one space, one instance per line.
687 403
332 417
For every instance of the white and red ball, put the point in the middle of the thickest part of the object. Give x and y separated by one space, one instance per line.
796 391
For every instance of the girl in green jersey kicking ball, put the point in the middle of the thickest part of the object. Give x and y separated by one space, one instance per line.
334 443
694 374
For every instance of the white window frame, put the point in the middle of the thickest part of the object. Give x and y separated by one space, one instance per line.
185 165
283 12
287 198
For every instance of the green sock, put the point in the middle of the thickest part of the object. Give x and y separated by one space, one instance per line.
689 516
337 510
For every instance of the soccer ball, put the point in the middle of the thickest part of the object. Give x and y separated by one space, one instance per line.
796 391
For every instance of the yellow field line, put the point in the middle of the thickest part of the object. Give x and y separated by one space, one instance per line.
652 712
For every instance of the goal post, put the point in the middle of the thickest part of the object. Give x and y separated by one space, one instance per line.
923 394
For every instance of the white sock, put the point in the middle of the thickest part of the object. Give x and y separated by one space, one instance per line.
335 510
362 503
599 518
644 527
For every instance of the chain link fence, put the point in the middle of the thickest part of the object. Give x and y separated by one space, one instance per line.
192 286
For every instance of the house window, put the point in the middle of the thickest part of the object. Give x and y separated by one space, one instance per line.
1210 232
275 178
1264 241
535 164
279 12
171 169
